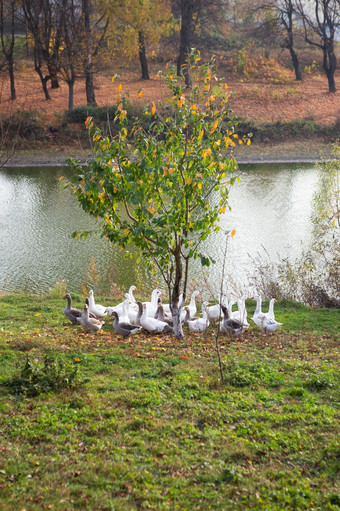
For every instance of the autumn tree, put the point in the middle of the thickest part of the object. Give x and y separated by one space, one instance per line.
162 181
137 25
321 21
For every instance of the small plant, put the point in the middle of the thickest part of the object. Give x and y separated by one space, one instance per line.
312 69
54 375
91 279
59 289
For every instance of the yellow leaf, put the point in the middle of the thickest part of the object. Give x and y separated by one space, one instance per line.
87 121
233 232
214 126
38 314
140 93
199 186
153 110
76 359
151 210
248 141
188 181
119 88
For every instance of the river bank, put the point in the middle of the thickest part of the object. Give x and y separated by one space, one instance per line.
300 150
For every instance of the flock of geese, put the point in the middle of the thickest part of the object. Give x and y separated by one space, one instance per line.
131 316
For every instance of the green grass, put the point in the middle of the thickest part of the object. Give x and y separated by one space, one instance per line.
155 428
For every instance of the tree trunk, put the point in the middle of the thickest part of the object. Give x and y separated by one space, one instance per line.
70 94
43 80
11 78
88 67
296 64
329 65
142 56
175 310
54 81
186 33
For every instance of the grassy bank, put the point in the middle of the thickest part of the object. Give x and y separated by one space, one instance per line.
155 428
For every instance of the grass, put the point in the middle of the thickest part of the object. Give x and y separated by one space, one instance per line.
155 428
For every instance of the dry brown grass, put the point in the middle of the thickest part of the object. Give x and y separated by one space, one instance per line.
256 98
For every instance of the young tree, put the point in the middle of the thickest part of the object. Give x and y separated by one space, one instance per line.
321 21
164 187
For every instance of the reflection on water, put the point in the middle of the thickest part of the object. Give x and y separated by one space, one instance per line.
271 207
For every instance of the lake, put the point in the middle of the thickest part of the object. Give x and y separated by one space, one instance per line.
271 209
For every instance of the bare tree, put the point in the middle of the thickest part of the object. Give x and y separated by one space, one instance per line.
321 20
92 39
193 13
8 10
285 14
44 21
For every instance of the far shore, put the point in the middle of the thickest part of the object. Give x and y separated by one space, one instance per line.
297 151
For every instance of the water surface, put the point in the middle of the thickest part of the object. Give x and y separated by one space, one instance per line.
271 208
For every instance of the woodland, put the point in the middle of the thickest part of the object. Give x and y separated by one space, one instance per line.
278 58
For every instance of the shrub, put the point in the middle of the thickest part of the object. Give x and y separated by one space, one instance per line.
54 374
313 278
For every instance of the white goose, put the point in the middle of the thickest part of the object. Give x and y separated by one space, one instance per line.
99 310
214 312
261 319
90 325
241 313
200 324
270 312
152 325
152 307
166 306
192 305
130 293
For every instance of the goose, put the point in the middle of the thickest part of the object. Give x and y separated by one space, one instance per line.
188 316
152 325
261 319
241 313
151 307
160 315
122 328
200 324
99 310
192 305
73 314
166 306
90 324
214 312
139 314
231 325
70 312
270 313
130 293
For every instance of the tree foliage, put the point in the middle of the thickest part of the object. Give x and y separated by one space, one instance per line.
165 187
